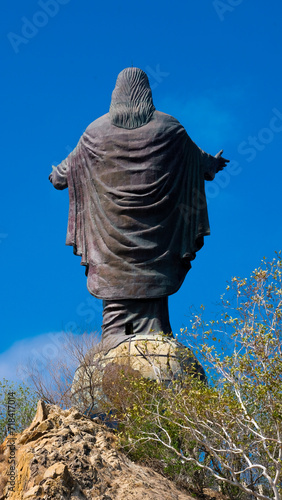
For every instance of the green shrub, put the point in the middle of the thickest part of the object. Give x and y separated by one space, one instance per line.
231 428
23 405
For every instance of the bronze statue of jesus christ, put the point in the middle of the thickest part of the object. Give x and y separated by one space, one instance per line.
137 208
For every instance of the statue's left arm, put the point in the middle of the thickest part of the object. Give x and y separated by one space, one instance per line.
212 164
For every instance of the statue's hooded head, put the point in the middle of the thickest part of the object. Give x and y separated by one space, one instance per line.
132 103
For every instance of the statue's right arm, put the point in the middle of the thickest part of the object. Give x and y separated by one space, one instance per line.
59 174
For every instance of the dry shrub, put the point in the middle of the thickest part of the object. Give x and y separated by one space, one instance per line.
53 381
115 385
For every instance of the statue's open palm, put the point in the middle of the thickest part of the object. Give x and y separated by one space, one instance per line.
221 161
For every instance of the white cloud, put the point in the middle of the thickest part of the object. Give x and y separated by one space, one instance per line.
39 349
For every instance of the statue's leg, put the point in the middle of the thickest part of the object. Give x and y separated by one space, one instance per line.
123 319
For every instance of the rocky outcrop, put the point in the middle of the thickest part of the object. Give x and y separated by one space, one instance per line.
66 455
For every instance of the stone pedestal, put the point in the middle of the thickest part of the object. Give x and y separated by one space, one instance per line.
155 357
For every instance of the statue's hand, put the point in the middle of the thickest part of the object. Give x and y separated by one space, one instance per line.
51 175
221 161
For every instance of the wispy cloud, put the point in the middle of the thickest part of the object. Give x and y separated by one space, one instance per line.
40 350
44 348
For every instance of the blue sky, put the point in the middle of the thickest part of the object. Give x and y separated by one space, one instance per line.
214 65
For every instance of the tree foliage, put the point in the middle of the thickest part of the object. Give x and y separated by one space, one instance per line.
24 406
232 427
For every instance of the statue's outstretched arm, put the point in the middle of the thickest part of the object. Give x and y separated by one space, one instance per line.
58 176
221 161
212 164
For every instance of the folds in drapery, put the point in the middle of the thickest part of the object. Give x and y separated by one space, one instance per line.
138 211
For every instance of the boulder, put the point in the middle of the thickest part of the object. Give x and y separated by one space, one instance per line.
65 455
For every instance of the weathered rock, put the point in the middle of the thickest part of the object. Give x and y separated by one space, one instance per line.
65 455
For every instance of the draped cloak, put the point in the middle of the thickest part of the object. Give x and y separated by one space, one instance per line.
137 206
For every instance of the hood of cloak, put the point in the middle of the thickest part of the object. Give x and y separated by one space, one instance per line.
132 102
